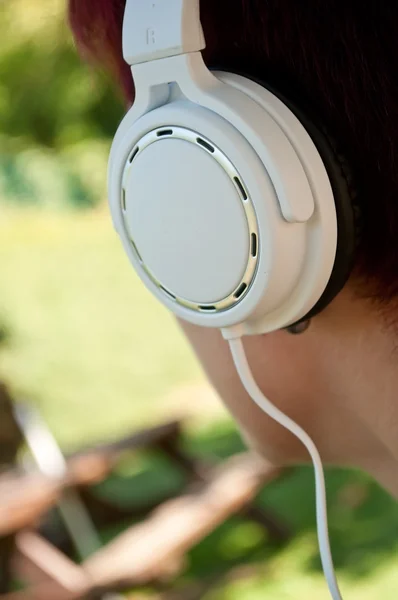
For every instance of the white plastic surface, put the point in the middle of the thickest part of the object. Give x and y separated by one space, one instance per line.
154 29
267 145
295 194
196 81
296 259
321 229
176 202
279 241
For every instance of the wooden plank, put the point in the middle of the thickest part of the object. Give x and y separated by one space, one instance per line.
155 548
46 591
25 498
37 562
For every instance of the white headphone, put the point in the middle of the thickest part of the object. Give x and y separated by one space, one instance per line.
235 211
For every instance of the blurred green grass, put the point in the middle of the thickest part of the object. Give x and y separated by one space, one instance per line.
87 343
57 115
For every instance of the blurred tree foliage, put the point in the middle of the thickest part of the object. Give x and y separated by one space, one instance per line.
57 115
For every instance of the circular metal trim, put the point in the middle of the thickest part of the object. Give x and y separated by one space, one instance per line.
206 145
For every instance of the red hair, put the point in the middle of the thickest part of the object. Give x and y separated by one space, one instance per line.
337 58
97 25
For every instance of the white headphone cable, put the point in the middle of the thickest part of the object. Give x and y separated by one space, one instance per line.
248 381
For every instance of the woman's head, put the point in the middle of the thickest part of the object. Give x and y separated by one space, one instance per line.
338 62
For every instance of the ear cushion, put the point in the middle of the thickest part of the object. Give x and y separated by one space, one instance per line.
345 197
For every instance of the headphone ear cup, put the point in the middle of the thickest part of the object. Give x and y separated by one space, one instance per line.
345 196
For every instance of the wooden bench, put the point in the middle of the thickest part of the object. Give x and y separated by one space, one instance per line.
151 551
